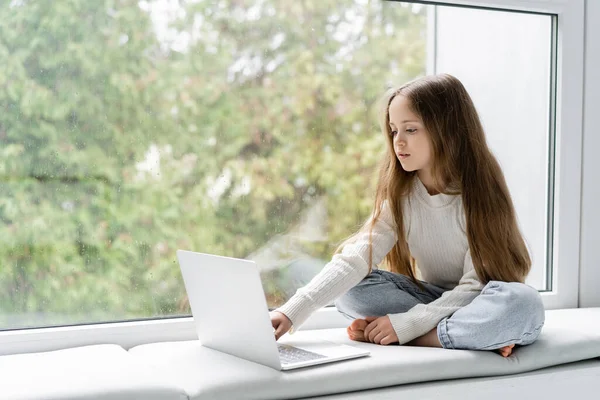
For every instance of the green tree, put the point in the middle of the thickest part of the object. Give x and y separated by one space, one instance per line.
121 144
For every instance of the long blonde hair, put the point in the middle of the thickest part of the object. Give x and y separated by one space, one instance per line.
463 164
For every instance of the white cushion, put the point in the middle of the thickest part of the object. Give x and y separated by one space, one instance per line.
105 372
554 383
568 336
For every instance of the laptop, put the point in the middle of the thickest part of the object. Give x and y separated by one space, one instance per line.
231 315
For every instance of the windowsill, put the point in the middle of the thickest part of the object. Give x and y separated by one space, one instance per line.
185 369
135 333
128 334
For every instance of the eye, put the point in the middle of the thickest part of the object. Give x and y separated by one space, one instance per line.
411 130
394 133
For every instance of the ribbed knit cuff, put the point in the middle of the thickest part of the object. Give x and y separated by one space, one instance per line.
297 309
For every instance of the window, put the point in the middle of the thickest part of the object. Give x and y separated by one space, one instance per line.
240 129
247 130
507 62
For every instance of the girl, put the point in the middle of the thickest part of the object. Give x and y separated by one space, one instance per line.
442 205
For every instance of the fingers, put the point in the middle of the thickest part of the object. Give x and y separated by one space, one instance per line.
378 336
280 328
276 324
279 332
371 324
378 330
374 333
387 340
369 329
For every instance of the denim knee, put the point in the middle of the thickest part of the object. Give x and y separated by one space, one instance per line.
354 304
343 307
523 300
523 305
374 296
503 313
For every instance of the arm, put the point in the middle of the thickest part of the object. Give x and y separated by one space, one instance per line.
344 271
422 318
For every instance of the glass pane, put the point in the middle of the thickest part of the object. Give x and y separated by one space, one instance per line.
504 60
130 129
244 129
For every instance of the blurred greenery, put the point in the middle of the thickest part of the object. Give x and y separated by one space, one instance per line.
129 129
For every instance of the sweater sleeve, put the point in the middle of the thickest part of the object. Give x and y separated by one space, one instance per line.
422 318
344 271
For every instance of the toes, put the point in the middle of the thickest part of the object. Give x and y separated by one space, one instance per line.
356 330
506 350
356 335
358 338
358 325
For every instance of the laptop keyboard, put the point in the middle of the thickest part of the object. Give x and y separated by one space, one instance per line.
289 354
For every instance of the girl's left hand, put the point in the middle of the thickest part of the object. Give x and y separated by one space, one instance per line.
380 330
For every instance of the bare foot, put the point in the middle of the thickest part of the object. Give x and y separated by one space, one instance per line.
356 330
506 350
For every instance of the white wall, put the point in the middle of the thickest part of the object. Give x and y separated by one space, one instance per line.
589 290
503 59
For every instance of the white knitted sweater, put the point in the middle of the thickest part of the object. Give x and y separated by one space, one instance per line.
436 233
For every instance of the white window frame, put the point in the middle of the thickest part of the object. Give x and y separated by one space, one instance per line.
569 135
589 277
570 75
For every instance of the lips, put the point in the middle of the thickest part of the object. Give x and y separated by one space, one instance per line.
403 155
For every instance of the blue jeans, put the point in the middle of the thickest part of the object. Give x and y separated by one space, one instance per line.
503 313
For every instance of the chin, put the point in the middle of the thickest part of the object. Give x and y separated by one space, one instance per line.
407 168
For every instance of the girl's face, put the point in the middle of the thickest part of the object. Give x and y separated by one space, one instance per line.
410 138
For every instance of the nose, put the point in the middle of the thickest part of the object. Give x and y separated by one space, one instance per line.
399 143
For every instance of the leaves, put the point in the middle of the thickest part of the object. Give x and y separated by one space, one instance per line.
128 132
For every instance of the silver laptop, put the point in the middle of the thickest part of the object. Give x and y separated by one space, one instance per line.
231 315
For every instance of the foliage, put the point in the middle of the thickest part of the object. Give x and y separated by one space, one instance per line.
122 140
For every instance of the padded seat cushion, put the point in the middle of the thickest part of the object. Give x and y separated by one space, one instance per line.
553 383
568 336
106 372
